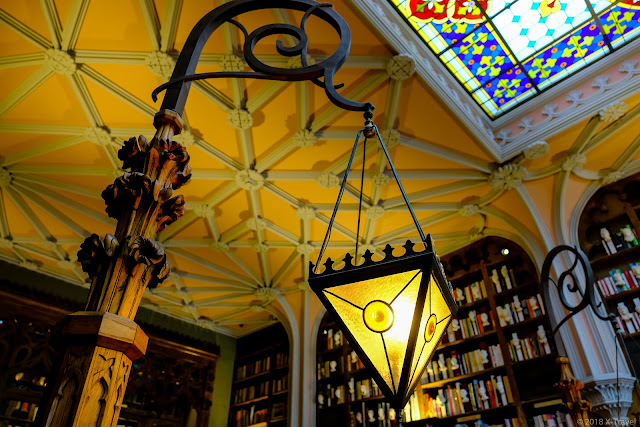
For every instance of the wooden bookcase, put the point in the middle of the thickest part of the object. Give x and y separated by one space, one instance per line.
171 386
614 207
259 397
530 381
527 378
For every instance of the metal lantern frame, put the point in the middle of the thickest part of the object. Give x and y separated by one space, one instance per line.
427 261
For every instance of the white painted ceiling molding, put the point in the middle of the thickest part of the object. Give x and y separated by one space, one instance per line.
492 133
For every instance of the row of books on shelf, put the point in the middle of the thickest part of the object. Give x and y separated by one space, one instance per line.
329 368
620 280
253 368
503 279
623 239
331 396
485 357
333 339
519 311
507 422
373 414
363 389
249 416
19 410
282 360
559 419
251 392
475 395
529 348
470 293
280 384
629 321
475 323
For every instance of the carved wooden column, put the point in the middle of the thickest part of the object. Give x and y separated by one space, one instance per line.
570 388
101 342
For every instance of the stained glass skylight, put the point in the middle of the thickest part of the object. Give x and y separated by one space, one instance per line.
505 52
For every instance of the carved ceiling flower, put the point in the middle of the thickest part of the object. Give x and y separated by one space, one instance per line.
266 295
304 138
249 179
613 112
507 177
306 212
391 137
380 179
573 162
240 119
305 248
328 180
402 66
468 210
612 177
375 212
60 61
536 150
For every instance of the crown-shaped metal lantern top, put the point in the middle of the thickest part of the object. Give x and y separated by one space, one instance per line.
393 311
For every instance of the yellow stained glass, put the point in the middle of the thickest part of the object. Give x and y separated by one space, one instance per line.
387 349
435 306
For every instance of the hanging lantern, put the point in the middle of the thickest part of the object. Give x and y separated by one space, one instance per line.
393 311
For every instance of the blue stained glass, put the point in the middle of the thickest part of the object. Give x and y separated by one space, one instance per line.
621 24
566 53
482 55
508 86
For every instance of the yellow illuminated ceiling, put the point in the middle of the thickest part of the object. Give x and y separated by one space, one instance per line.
76 81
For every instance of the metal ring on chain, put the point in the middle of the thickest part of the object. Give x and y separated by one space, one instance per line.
183 73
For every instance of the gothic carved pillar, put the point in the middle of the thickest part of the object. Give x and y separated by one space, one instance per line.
101 342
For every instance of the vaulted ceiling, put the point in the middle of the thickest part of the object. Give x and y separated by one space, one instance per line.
267 157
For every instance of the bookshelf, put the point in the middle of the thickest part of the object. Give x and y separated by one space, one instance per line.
495 365
346 395
614 254
259 396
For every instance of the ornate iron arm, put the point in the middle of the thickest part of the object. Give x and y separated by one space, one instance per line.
183 73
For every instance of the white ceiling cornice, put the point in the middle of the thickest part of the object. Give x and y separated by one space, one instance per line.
490 133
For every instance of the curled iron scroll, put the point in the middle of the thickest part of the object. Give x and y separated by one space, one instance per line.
183 73
568 284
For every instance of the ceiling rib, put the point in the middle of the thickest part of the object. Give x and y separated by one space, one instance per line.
53 23
25 31
23 60
73 24
25 88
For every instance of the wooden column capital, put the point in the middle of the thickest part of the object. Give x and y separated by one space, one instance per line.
106 330
102 342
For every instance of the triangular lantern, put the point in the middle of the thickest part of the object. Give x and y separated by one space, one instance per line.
393 312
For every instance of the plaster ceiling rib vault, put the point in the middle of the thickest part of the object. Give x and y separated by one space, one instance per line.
267 156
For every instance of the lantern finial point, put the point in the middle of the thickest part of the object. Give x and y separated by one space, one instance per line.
408 246
347 260
388 251
368 255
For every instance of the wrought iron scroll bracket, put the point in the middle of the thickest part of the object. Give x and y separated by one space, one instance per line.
568 283
183 74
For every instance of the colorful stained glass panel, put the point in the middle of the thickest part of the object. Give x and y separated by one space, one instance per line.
506 52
